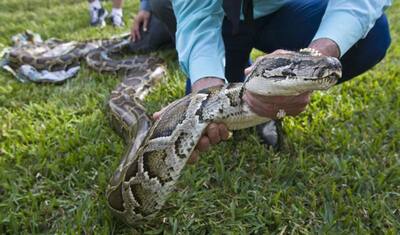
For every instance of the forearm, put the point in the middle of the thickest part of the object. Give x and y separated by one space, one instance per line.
198 38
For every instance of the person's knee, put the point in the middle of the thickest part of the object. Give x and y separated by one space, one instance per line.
367 52
385 40
380 52
387 43
162 9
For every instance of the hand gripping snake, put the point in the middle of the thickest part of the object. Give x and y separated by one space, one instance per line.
157 152
153 163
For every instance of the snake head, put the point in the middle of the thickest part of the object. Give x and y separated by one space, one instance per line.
292 73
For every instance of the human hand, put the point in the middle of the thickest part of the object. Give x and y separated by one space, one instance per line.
141 19
270 106
206 82
273 106
215 132
326 47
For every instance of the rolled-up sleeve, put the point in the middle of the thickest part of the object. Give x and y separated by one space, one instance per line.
198 38
345 22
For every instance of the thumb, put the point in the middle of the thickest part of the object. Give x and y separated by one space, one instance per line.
247 70
157 114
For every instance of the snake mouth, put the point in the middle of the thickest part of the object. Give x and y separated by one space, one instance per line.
330 77
328 80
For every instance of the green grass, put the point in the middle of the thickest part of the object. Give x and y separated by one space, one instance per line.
339 172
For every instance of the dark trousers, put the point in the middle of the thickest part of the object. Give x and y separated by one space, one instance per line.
292 27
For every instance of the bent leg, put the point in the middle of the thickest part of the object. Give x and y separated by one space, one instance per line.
367 52
288 28
162 9
161 28
97 13
117 14
156 37
292 27
237 50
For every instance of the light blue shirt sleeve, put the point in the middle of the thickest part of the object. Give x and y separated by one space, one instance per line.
199 40
145 5
347 21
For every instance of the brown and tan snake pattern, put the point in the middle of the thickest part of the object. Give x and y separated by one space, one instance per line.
157 152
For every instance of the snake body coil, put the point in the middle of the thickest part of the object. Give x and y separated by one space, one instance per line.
157 153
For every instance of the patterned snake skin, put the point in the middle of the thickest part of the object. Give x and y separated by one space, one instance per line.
157 152
153 163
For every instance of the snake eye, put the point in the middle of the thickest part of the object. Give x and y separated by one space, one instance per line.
288 73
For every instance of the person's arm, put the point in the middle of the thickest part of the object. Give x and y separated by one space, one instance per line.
345 22
202 55
199 40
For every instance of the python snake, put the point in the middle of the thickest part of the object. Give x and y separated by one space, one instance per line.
157 152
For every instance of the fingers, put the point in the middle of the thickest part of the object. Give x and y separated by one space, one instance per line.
145 24
271 110
133 36
301 99
206 82
137 32
248 70
223 132
269 106
203 144
194 157
157 114
142 19
215 133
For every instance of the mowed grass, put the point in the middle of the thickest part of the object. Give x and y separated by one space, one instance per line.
338 174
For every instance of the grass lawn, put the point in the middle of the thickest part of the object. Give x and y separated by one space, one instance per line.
338 174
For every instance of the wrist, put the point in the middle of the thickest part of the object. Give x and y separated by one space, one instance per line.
326 47
206 82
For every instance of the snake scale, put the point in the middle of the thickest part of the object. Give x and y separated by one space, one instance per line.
157 152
